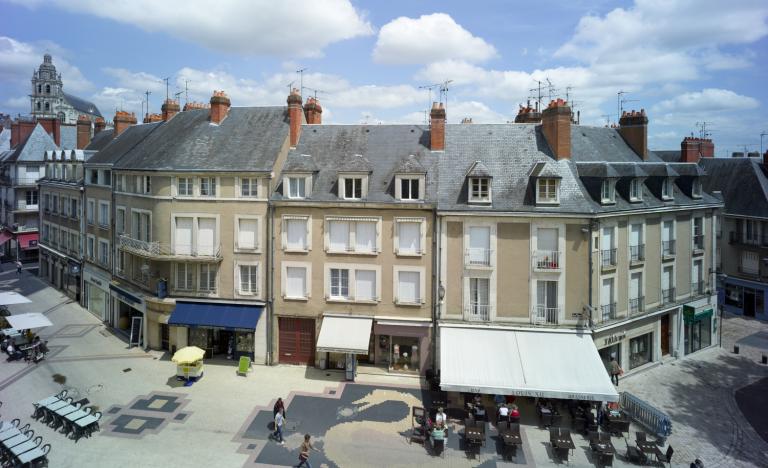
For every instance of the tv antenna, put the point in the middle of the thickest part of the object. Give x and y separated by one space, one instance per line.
290 86
607 118
315 91
568 93
621 102
301 71
429 89
177 94
186 90
550 88
444 92
167 80
537 96
761 142
703 132
147 93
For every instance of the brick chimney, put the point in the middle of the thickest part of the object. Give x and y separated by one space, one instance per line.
152 118
527 114
219 106
313 112
52 127
196 105
633 127
83 131
122 121
437 127
295 114
99 125
556 127
21 128
169 108
692 149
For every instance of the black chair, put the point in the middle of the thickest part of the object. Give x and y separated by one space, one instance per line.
605 459
561 453
640 436
594 438
438 447
635 455
554 433
605 437
668 455
514 428
502 426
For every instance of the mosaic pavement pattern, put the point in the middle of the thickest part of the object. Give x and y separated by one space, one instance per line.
145 415
350 420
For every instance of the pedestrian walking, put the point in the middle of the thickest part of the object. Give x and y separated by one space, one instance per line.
306 446
18 267
279 405
279 420
616 369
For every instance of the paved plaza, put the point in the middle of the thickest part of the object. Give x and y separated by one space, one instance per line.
225 420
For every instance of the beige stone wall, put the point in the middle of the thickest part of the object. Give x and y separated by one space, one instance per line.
513 260
577 268
653 262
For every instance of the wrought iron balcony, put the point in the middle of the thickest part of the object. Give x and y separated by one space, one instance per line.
698 242
668 248
477 257
736 237
608 258
637 305
668 296
476 312
165 252
637 253
543 315
697 288
609 311
547 260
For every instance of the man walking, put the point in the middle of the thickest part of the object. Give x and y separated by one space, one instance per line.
306 446
279 420
18 267
616 370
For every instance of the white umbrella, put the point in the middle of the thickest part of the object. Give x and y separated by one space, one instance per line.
28 321
12 297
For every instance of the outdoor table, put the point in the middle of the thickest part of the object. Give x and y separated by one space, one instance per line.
40 405
5 425
32 455
605 448
16 440
564 443
646 446
25 447
71 418
510 438
82 425
9 434
61 413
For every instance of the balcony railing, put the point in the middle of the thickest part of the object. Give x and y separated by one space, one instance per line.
637 253
668 248
636 305
748 270
24 181
608 258
608 311
543 315
22 205
478 312
736 237
668 296
697 288
546 260
698 242
478 257
161 251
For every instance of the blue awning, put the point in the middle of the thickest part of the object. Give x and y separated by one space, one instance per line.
207 314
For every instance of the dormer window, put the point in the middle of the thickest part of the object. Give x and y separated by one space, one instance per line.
696 188
608 192
666 189
547 191
409 187
479 190
635 190
353 187
297 187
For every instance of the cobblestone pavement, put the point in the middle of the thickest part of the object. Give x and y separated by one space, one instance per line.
149 421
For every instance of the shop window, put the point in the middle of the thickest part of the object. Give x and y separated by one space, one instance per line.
608 353
698 333
640 350
404 354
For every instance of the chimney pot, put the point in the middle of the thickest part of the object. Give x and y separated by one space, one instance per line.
437 127
83 131
169 108
295 115
313 111
219 107
633 128
122 121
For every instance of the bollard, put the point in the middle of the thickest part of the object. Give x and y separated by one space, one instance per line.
765 359
735 349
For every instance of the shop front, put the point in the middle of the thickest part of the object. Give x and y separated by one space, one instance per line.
402 346
746 298
344 338
96 288
72 278
634 344
226 330
698 327
128 313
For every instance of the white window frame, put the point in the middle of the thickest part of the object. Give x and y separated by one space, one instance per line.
150 223
693 232
609 186
284 232
696 188
190 279
190 185
636 185
253 187
478 198
667 189
257 247
419 178
352 234
547 181
287 185
90 246
102 261
100 221
396 284
120 229
351 176
200 289
195 228
307 266
353 268
215 181
422 222
91 211
238 278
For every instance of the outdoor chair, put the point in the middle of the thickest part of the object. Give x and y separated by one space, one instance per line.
640 436
35 457
62 395
514 428
502 426
605 437
668 456
244 365
554 433
594 438
605 459
635 455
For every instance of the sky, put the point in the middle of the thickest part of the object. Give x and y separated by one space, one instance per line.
684 61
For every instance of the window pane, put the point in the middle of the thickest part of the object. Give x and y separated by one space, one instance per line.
183 236
365 284
247 234
339 236
409 237
206 236
547 239
296 236
408 287
295 282
365 237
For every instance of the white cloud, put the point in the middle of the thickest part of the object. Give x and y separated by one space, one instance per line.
298 28
20 103
19 59
706 101
429 38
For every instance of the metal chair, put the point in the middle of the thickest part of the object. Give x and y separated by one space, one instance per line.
640 436
668 455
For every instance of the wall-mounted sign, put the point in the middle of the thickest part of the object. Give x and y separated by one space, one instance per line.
615 338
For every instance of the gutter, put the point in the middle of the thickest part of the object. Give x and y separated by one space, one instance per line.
435 286
270 280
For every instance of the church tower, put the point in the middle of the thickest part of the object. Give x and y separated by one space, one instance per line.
47 94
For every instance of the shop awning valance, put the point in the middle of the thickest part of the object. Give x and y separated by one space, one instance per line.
344 335
28 321
5 236
216 315
546 364
12 297
27 240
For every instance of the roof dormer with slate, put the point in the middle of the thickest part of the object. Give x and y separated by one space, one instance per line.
479 180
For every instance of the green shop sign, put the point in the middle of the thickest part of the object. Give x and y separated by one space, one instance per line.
692 314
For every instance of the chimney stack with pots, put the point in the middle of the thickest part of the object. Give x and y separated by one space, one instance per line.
21 128
83 131
122 121
99 125
437 127
692 149
169 108
313 112
295 116
527 114
556 127
633 127
152 118
219 106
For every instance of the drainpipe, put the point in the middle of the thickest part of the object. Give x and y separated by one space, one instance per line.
590 273
270 278
436 300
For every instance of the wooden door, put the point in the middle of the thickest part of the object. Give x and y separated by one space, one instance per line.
665 335
297 341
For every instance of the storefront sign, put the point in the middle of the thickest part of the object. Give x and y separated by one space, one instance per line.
691 314
615 338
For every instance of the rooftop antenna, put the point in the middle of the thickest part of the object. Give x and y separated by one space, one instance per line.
538 94
622 101
177 94
703 132
147 93
568 93
366 116
167 80
444 92
290 86
186 90
315 91
550 88
429 101
301 71
607 118
761 142
619 97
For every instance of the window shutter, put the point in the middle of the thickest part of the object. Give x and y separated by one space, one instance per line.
246 237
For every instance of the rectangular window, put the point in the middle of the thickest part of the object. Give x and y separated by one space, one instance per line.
249 187
103 214
120 183
141 228
297 187
206 236
64 206
183 236
696 188
409 287
697 229
546 191
120 262
103 252
666 189
296 234
338 237
365 237
73 210
636 244
184 186
106 177
93 178
479 297
185 277
640 350
409 238
47 202
607 299
607 192
89 247
120 221
247 231
546 298
668 237
46 232
636 302
667 285
365 285
750 262
352 236
339 283
207 186
479 250
55 208
479 189
635 190
296 282
31 197
91 209
249 279
697 279
353 188
409 189
147 184
207 278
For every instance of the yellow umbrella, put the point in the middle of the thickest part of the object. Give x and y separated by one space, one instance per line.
188 355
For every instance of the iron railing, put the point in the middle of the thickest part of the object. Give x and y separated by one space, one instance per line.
736 237
653 419
698 242
697 287
478 257
609 311
668 295
636 305
608 258
637 252
161 251
546 259
668 248
543 315
478 312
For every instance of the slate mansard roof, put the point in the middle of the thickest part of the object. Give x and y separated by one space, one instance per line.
33 149
82 105
380 150
743 182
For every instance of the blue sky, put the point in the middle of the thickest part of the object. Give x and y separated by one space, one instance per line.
684 61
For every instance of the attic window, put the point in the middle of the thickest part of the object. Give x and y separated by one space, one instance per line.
666 189
635 190
479 190
353 186
608 192
696 188
408 187
547 191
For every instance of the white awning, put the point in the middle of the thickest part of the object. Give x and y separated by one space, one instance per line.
12 297
27 321
535 363
344 335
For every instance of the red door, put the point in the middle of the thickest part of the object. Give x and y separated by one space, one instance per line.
297 341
